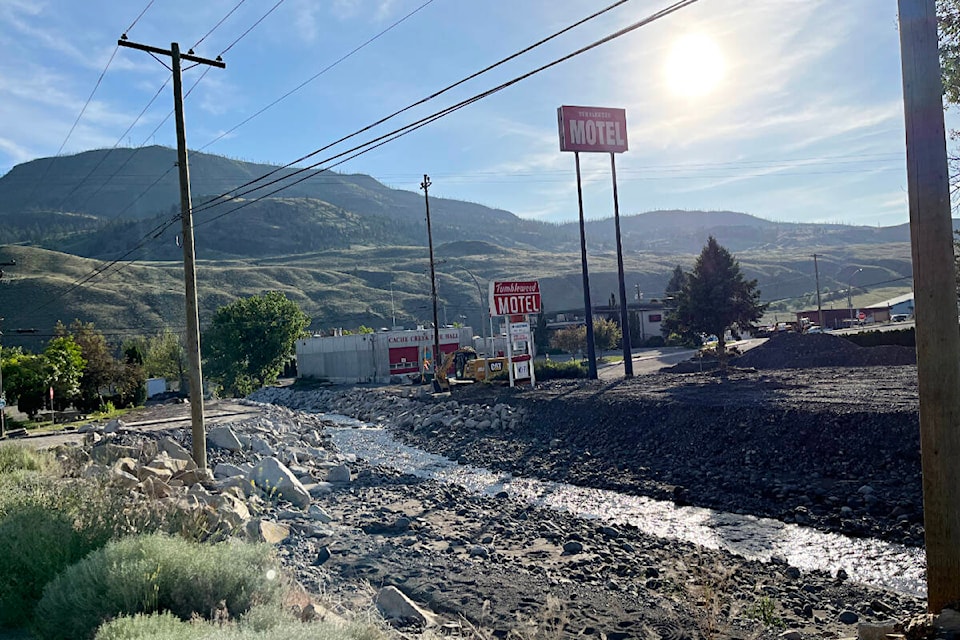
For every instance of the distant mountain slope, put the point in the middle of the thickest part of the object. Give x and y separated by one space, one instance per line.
101 203
123 185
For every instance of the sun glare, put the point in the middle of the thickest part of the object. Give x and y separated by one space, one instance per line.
695 66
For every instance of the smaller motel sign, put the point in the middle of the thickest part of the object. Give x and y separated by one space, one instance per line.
514 298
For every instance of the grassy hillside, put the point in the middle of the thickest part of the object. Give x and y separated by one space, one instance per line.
369 285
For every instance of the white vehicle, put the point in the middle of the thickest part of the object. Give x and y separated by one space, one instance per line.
814 328
899 317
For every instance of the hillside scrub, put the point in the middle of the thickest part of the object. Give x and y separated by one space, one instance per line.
154 573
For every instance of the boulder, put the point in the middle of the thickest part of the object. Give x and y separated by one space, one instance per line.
227 470
273 478
268 531
395 606
339 474
224 438
176 452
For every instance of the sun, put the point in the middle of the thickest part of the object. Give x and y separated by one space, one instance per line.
695 66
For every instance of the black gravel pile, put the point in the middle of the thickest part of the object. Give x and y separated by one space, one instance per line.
798 351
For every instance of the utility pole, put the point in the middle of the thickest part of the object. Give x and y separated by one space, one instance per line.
425 185
935 299
816 271
198 432
3 396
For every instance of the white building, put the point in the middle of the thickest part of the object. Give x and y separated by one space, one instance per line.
374 357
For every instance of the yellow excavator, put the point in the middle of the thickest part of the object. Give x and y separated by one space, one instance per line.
463 366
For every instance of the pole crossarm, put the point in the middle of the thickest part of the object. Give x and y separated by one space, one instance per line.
169 53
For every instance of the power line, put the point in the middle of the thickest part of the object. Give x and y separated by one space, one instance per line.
409 128
415 104
397 133
216 26
314 77
137 19
252 27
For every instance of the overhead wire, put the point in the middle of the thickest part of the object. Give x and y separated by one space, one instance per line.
419 102
397 133
314 77
216 26
161 228
169 114
86 104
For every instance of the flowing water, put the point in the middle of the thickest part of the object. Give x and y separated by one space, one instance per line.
865 560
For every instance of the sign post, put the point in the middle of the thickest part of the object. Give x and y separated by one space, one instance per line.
516 300
598 130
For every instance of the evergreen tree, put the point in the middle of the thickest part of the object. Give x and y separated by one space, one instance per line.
716 297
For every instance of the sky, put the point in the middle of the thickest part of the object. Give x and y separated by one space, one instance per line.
790 110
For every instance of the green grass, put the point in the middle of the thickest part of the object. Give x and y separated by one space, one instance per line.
16 456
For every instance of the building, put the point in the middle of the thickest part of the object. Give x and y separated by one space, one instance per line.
374 357
648 315
881 311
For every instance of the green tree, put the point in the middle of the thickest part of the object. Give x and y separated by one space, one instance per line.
248 341
716 297
64 370
165 357
606 334
570 339
948 14
670 327
25 380
101 371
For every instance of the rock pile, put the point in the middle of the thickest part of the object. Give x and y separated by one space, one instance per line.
797 351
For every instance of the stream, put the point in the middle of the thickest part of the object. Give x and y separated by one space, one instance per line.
865 560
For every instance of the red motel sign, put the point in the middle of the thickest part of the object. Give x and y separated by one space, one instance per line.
514 297
592 129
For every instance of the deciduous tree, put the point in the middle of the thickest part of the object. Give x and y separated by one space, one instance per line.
249 340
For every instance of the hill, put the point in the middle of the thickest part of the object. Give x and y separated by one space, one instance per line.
352 251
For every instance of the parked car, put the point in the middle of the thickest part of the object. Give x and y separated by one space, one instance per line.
814 328
899 317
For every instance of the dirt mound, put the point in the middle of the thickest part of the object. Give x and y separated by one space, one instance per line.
800 351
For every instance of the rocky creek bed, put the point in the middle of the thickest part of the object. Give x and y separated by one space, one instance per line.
836 449
492 566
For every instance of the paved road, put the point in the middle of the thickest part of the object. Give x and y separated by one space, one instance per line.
652 360
155 418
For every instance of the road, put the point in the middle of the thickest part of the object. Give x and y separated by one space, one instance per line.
652 360
154 418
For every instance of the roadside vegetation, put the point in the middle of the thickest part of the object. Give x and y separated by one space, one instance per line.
80 558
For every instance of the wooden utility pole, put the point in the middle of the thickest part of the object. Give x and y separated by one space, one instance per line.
425 185
935 298
816 271
198 432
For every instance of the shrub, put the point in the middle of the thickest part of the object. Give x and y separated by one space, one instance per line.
36 543
262 623
151 573
553 370
654 342
20 457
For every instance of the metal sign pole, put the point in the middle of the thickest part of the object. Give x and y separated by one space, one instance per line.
587 308
624 318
